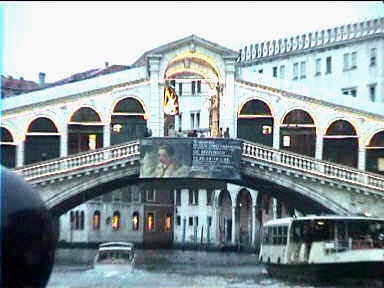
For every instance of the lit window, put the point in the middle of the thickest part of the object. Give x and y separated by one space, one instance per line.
267 130
96 220
150 222
135 221
92 142
168 223
116 220
286 141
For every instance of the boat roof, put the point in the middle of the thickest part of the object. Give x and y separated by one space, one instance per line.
288 220
117 245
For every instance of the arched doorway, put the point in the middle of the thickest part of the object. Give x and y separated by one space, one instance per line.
375 154
341 144
85 131
42 141
244 204
298 133
255 123
8 149
128 121
225 218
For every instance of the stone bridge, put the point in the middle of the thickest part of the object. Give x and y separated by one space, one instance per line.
310 185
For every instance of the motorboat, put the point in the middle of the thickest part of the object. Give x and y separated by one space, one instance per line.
112 255
324 248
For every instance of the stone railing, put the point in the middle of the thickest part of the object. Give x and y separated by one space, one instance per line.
80 161
327 170
311 40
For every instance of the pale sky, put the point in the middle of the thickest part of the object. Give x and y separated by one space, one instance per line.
63 38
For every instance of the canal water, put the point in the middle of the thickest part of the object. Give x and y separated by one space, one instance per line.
189 269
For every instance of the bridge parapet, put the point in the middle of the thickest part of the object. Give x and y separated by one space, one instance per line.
80 161
362 179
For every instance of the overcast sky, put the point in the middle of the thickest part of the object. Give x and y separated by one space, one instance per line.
63 38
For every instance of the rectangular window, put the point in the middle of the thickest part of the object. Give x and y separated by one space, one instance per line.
346 62
180 122
295 71
372 92
349 91
150 195
190 221
196 221
282 72
190 200
150 222
178 220
180 89
274 72
318 67
196 197
197 120
354 60
328 67
209 197
178 197
209 221
193 87
372 58
192 120
198 86
302 70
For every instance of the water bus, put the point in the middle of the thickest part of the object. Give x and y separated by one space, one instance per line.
112 255
324 248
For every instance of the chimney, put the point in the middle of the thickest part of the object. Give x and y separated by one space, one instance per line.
41 78
106 64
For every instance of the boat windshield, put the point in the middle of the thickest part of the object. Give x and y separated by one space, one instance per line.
114 256
348 230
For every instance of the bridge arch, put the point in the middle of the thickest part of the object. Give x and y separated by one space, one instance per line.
298 132
224 212
255 121
244 216
42 140
128 120
8 148
341 136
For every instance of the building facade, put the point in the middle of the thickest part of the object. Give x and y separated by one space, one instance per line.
318 94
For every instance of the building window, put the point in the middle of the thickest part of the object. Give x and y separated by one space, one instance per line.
151 194
260 71
82 220
190 221
302 70
178 197
135 221
209 220
180 89
198 120
192 120
372 58
328 66
116 196
168 223
150 222
346 62
193 87
318 67
295 71
72 220
194 197
349 91
178 220
286 141
180 122
274 72
96 220
196 220
372 92
136 195
173 83
116 220
209 197
198 86
354 60
282 72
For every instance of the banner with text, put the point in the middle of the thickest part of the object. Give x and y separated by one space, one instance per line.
211 158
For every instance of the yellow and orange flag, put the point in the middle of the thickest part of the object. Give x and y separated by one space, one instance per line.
171 101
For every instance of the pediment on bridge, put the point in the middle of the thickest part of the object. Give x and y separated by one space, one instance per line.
192 42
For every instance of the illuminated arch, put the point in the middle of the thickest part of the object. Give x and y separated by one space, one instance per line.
140 103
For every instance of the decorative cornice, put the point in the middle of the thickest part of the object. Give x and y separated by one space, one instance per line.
313 40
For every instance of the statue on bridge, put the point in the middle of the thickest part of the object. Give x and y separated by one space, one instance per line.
214 112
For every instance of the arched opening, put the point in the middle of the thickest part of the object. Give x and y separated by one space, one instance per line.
42 141
96 220
255 123
298 133
85 131
225 217
244 204
150 222
375 154
116 220
128 121
341 144
135 221
8 149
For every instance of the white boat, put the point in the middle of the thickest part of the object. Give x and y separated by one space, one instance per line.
115 255
325 248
